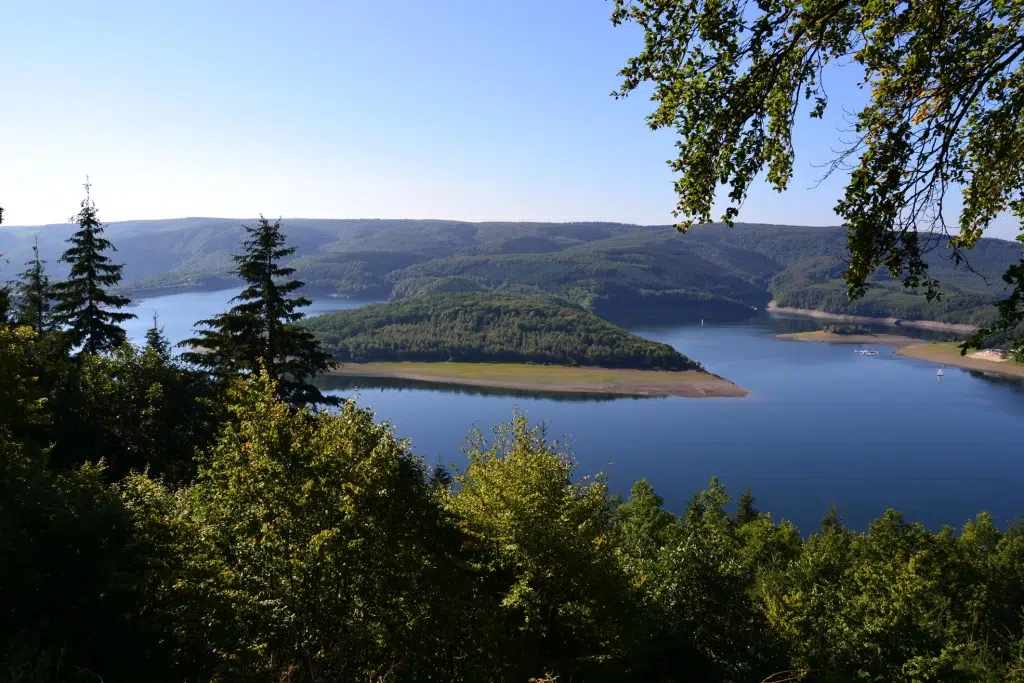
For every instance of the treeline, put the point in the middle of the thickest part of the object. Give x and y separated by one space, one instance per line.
629 275
170 521
488 328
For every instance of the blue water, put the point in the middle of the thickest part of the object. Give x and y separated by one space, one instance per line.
821 425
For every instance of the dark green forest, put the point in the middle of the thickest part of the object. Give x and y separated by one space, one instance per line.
168 520
489 328
627 274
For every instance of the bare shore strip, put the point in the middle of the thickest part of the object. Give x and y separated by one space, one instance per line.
554 378
944 353
949 354
833 338
867 320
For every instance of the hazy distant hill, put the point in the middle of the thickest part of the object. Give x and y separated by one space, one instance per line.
627 274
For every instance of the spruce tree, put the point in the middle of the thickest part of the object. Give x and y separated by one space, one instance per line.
831 519
260 329
34 294
83 304
156 341
745 510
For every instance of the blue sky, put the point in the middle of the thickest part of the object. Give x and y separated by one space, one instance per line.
461 109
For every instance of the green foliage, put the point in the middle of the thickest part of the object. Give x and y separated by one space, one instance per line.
83 304
943 116
317 550
174 412
34 294
627 274
156 340
846 329
488 328
75 582
260 331
545 540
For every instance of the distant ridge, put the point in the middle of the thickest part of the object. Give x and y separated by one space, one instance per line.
629 274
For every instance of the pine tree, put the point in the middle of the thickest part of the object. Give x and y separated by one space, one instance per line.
34 294
83 304
260 329
831 519
745 510
156 340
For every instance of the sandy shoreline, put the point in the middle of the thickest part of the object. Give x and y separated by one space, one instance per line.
949 354
548 378
832 338
867 320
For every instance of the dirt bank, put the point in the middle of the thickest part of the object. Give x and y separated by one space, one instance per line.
894 322
548 378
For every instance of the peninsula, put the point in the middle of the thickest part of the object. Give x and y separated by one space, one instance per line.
554 378
858 337
944 353
506 341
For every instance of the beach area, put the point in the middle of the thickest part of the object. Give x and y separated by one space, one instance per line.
772 307
554 378
943 353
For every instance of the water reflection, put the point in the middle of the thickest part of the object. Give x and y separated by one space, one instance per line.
341 383
1013 384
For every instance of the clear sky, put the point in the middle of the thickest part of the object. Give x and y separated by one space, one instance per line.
460 109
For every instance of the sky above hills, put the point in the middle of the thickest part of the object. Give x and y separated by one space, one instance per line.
459 109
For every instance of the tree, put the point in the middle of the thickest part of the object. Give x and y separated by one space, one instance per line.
945 81
260 330
317 550
745 510
831 519
135 408
156 340
34 294
83 303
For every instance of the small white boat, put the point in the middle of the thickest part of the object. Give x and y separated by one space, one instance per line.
939 373
867 352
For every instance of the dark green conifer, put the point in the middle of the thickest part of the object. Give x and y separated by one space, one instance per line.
156 340
34 294
745 510
83 304
261 326
831 519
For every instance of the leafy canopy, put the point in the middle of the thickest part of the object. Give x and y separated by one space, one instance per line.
946 84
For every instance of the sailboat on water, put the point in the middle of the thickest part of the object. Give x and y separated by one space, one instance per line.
939 373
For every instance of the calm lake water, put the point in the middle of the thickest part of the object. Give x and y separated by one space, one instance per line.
821 425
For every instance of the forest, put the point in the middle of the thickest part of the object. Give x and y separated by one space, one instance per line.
626 274
488 327
210 516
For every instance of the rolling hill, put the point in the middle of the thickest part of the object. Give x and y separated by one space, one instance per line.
628 274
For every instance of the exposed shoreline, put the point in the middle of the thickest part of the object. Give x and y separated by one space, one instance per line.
833 338
867 320
949 354
554 378
942 353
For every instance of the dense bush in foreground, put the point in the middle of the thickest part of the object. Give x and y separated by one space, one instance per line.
314 546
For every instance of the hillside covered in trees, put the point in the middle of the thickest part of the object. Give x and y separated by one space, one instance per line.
197 519
627 274
488 327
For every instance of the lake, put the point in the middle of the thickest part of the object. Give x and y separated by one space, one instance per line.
821 425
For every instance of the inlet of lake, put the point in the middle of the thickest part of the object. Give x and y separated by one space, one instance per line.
821 425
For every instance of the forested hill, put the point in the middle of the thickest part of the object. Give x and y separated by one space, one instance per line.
488 328
627 274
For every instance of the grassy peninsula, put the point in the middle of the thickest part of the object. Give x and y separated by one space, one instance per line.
554 378
489 328
526 343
